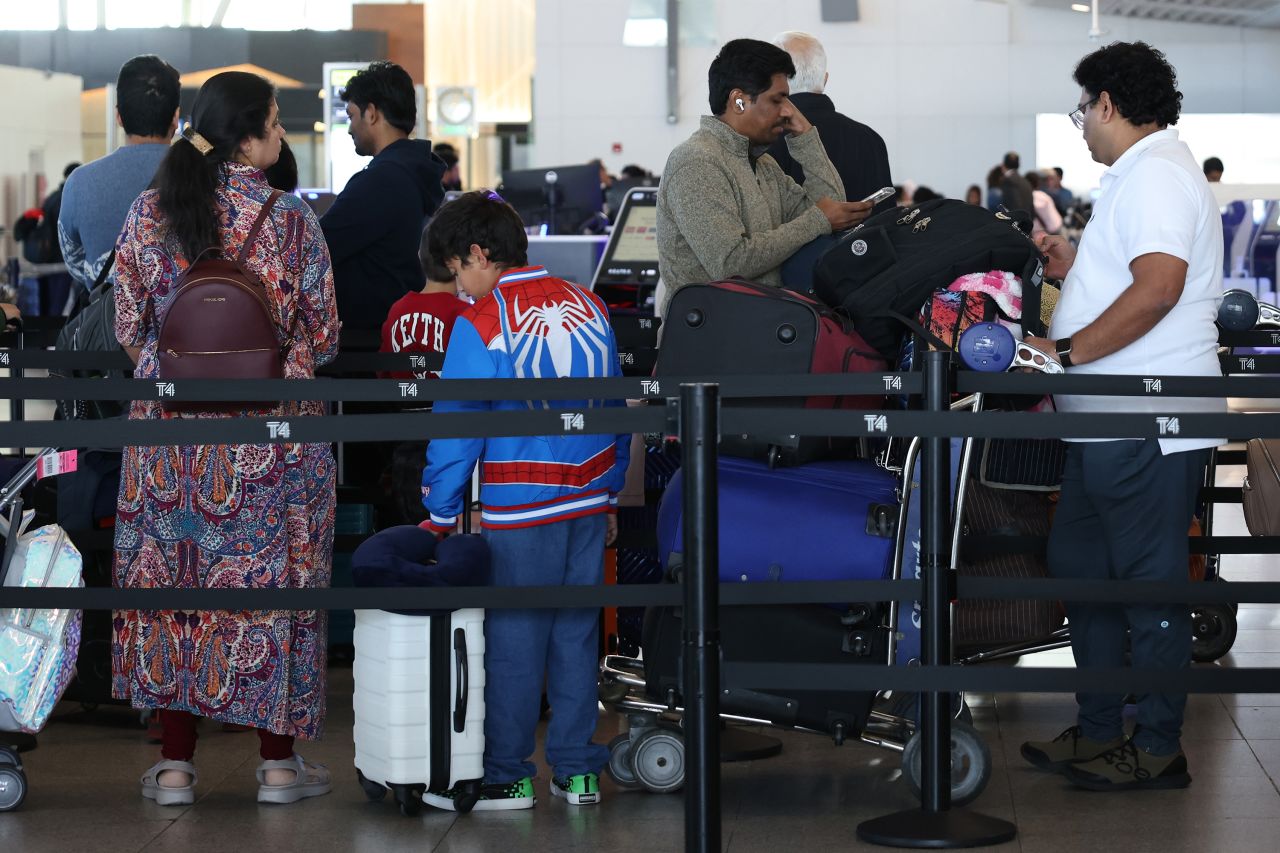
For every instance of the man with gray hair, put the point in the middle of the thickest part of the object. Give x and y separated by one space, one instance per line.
857 151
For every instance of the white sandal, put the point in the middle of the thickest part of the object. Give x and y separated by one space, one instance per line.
165 795
310 780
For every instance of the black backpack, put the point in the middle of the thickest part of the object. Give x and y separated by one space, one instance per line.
92 328
891 263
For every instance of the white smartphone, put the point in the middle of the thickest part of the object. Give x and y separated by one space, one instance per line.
880 195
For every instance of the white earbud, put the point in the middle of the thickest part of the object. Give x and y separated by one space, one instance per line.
741 107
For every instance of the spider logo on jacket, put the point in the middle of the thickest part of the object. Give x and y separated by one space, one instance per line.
565 335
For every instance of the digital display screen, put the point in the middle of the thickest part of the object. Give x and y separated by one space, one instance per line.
637 236
343 160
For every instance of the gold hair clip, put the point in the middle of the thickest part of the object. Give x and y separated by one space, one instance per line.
201 144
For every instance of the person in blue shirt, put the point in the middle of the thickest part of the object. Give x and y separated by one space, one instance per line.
97 196
549 501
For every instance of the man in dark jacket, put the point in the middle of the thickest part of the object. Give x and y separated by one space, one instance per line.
857 151
1015 192
375 224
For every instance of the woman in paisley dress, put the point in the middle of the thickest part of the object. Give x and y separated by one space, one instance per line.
226 516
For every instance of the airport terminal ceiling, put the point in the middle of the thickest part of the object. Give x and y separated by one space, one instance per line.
1231 13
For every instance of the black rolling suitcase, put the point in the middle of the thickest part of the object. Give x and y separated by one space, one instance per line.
738 327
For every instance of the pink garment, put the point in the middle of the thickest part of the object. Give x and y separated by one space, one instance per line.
1004 287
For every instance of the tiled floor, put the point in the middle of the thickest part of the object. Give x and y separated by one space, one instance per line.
84 793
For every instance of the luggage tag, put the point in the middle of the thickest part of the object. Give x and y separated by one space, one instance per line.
56 462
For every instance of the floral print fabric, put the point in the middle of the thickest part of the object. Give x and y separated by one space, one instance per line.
227 516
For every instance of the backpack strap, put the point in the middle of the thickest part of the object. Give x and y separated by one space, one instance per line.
257 225
248 246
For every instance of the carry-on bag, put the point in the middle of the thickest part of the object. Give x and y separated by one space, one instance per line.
738 327
37 647
419 676
892 262
822 521
1262 487
832 520
1004 512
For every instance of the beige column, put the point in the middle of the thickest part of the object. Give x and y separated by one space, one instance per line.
488 44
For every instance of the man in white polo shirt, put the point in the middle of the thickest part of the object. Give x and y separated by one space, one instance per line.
1139 297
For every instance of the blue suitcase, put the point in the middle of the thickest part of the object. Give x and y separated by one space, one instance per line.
822 521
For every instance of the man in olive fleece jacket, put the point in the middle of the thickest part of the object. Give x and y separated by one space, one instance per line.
725 207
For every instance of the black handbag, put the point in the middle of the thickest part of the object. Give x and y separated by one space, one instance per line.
92 328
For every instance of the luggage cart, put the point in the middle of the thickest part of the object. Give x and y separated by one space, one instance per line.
650 754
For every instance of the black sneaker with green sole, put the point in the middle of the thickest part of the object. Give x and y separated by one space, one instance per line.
580 790
508 796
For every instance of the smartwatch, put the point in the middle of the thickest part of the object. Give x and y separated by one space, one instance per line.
1063 346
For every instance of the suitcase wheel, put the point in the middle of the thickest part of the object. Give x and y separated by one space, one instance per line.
970 764
658 759
1213 628
409 798
620 766
372 790
13 782
468 796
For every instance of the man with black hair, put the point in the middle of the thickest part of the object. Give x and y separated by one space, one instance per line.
725 208
97 196
375 223
1015 192
1140 297
452 179
1213 170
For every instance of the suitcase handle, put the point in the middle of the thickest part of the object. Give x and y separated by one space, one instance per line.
462 677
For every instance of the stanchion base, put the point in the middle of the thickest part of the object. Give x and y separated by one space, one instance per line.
738 744
949 829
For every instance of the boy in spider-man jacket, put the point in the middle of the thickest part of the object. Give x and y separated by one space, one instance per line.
549 501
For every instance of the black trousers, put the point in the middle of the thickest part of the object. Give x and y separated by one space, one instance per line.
1124 514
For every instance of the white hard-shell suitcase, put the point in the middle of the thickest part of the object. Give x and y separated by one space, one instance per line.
419 704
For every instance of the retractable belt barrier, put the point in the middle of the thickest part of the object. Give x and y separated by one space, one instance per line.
697 417
663 418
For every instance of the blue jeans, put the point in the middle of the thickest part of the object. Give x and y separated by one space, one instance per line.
1123 515
521 646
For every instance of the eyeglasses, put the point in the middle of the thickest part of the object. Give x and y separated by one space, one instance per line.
1077 115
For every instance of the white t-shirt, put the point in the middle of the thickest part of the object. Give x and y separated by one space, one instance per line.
1154 199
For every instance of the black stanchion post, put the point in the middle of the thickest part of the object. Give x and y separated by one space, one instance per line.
935 824
699 427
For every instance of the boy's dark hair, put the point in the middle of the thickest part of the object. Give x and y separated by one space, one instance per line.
147 92
389 88
1213 164
1141 82
447 154
1033 178
1058 169
1012 160
432 270
477 217
746 64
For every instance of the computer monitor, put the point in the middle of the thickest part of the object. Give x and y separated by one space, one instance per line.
627 280
627 276
319 200
562 199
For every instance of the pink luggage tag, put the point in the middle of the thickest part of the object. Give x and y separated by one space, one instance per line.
56 462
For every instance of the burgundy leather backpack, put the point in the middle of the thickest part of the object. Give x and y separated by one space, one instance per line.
218 324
